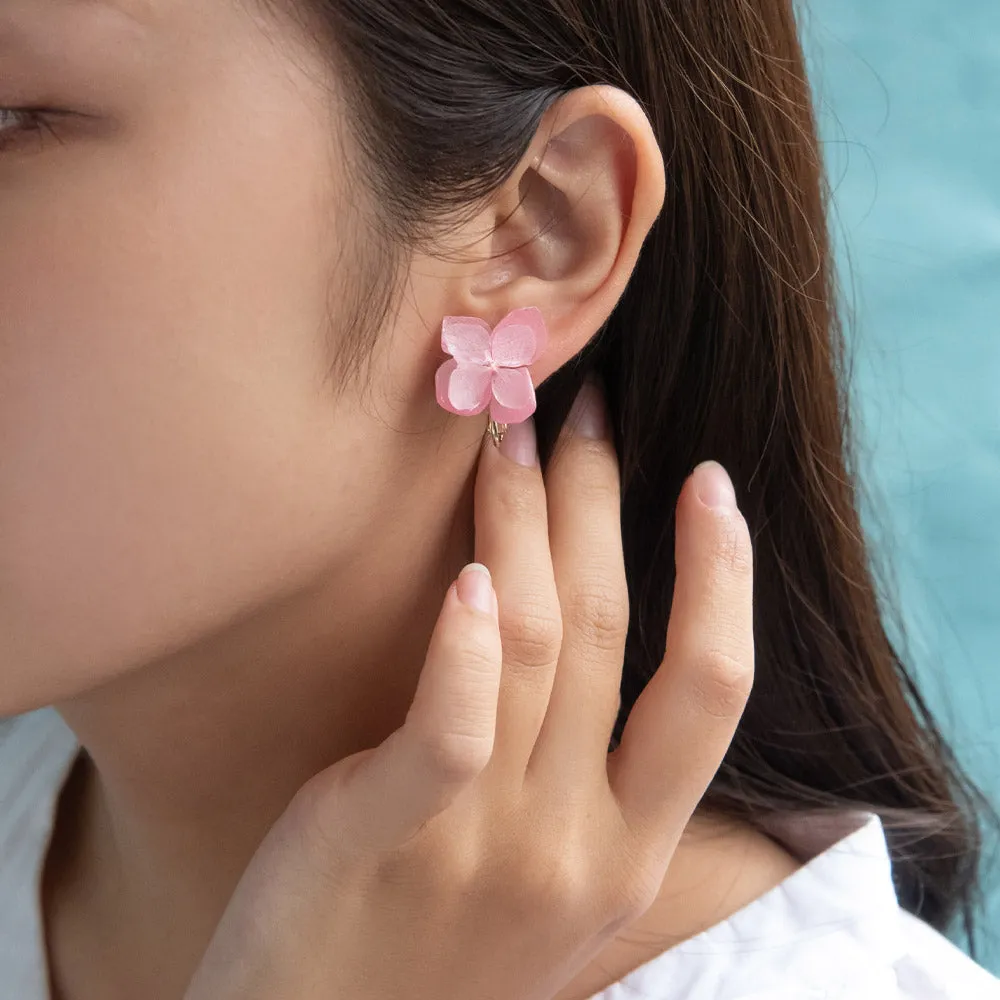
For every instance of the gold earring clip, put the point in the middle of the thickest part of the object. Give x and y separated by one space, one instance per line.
496 431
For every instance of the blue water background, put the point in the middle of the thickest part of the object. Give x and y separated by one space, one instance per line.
909 102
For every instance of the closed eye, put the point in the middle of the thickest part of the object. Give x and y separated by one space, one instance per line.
19 123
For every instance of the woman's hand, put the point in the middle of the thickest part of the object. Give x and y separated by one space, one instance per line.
490 847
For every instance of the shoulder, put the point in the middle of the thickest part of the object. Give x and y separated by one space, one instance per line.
37 736
892 957
932 968
831 930
36 751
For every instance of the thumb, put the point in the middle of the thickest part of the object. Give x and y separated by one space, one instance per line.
378 799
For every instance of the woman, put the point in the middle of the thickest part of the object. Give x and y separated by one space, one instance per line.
305 755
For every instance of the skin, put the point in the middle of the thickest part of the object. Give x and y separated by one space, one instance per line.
223 571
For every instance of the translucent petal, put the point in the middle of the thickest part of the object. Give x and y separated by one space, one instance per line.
463 389
513 396
466 339
519 338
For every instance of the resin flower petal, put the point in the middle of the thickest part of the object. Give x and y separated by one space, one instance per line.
489 367
466 339
519 338
464 389
513 396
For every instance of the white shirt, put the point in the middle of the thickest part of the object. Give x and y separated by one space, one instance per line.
831 931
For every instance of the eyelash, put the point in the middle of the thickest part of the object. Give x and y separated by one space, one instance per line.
35 121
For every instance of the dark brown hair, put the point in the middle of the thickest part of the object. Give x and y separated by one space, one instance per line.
725 345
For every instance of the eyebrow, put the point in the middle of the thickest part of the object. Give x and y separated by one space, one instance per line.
135 10
128 7
17 32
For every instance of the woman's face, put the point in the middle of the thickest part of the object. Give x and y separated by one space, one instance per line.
172 256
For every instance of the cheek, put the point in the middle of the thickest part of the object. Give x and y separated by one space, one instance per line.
167 448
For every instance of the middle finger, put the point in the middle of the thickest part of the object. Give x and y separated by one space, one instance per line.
584 498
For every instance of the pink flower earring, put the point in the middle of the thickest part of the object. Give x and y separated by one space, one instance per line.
489 367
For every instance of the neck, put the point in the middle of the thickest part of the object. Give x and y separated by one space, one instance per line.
193 758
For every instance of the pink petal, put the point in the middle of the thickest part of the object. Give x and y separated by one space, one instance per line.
463 389
513 396
466 339
519 338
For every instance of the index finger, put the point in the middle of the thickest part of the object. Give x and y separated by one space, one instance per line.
512 539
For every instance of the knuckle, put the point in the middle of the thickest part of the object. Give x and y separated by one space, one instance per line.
722 683
431 863
600 614
447 863
636 891
308 818
475 652
732 546
532 636
592 474
557 880
517 501
453 757
305 812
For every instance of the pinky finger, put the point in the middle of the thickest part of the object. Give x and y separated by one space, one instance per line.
451 726
681 726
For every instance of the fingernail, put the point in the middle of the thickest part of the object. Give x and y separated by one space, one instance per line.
589 416
475 589
519 443
714 487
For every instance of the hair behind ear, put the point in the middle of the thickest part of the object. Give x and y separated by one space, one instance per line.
725 345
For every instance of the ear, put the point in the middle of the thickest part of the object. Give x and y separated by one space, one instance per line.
568 225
